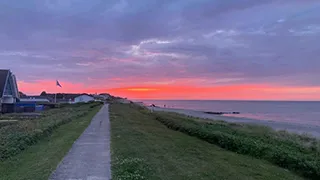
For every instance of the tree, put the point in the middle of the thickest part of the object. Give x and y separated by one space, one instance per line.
43 93
21 94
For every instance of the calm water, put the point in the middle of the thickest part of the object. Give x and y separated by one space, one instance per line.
294 112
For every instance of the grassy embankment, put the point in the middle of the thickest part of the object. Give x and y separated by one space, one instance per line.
300 154
143 148
31 149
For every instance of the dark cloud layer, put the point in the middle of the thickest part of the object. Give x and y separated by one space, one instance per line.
216 42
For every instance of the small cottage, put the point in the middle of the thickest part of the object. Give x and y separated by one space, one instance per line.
83 98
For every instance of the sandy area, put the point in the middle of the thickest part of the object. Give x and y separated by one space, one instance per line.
290 127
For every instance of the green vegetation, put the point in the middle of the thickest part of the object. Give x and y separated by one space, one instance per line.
7 122
301 154
143 148
16 137
40 160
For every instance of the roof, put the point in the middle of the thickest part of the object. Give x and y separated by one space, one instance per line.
84 95
62 96
104 94
3 79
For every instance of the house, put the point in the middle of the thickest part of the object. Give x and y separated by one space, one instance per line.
35 99
105 96
83 98
61 98
101 97
9 93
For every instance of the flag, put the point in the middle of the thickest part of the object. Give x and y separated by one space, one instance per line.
58 84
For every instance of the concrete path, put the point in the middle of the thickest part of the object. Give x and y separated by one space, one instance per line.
89 157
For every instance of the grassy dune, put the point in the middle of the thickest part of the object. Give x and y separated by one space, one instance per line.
300 154
143 148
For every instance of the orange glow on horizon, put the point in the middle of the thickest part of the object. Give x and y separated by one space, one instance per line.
222 92
142 89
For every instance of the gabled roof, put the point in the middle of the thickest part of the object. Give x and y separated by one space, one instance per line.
3 80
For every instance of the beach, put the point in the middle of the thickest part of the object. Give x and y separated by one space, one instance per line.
312 130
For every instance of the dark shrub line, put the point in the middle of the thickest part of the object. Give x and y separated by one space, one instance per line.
296 159
3 124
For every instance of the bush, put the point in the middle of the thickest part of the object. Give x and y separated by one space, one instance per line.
284 153
6 123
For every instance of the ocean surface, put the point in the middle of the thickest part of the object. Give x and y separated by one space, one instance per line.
306 113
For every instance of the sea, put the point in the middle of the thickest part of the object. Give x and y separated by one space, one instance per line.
297 112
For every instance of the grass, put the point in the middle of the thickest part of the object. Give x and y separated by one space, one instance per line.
143 148
297 153
4 123
16 137
39 160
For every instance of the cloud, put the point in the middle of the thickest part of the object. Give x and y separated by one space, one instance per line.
85 64
309 30
200 43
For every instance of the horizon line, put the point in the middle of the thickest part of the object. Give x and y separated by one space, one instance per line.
225 100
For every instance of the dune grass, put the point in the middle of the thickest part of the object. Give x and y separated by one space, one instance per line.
38 160
143 148
297 153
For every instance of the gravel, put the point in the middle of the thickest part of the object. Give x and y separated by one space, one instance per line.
89 157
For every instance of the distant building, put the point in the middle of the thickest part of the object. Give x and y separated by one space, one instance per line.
61 97
9 93
69 98
83 98
105 96
36 99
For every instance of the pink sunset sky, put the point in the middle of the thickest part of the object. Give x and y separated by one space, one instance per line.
180 49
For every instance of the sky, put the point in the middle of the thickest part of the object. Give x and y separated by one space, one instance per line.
164 49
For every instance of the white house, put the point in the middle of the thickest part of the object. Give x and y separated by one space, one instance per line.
38 99
83 98
9 92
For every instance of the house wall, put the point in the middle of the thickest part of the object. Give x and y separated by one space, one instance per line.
33 100
83 98
8 100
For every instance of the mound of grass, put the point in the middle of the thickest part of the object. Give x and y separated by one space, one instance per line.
143 148
16 137
293 152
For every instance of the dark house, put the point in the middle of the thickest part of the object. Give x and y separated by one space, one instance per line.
9 93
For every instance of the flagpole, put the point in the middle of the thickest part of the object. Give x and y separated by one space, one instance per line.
55 95
57 84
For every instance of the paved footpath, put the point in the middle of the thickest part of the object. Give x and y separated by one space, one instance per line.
89 157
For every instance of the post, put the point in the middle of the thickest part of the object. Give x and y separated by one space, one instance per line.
55 98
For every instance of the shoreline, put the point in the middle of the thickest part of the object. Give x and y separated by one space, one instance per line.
290 127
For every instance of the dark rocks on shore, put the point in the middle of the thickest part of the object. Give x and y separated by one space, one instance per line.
221 113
